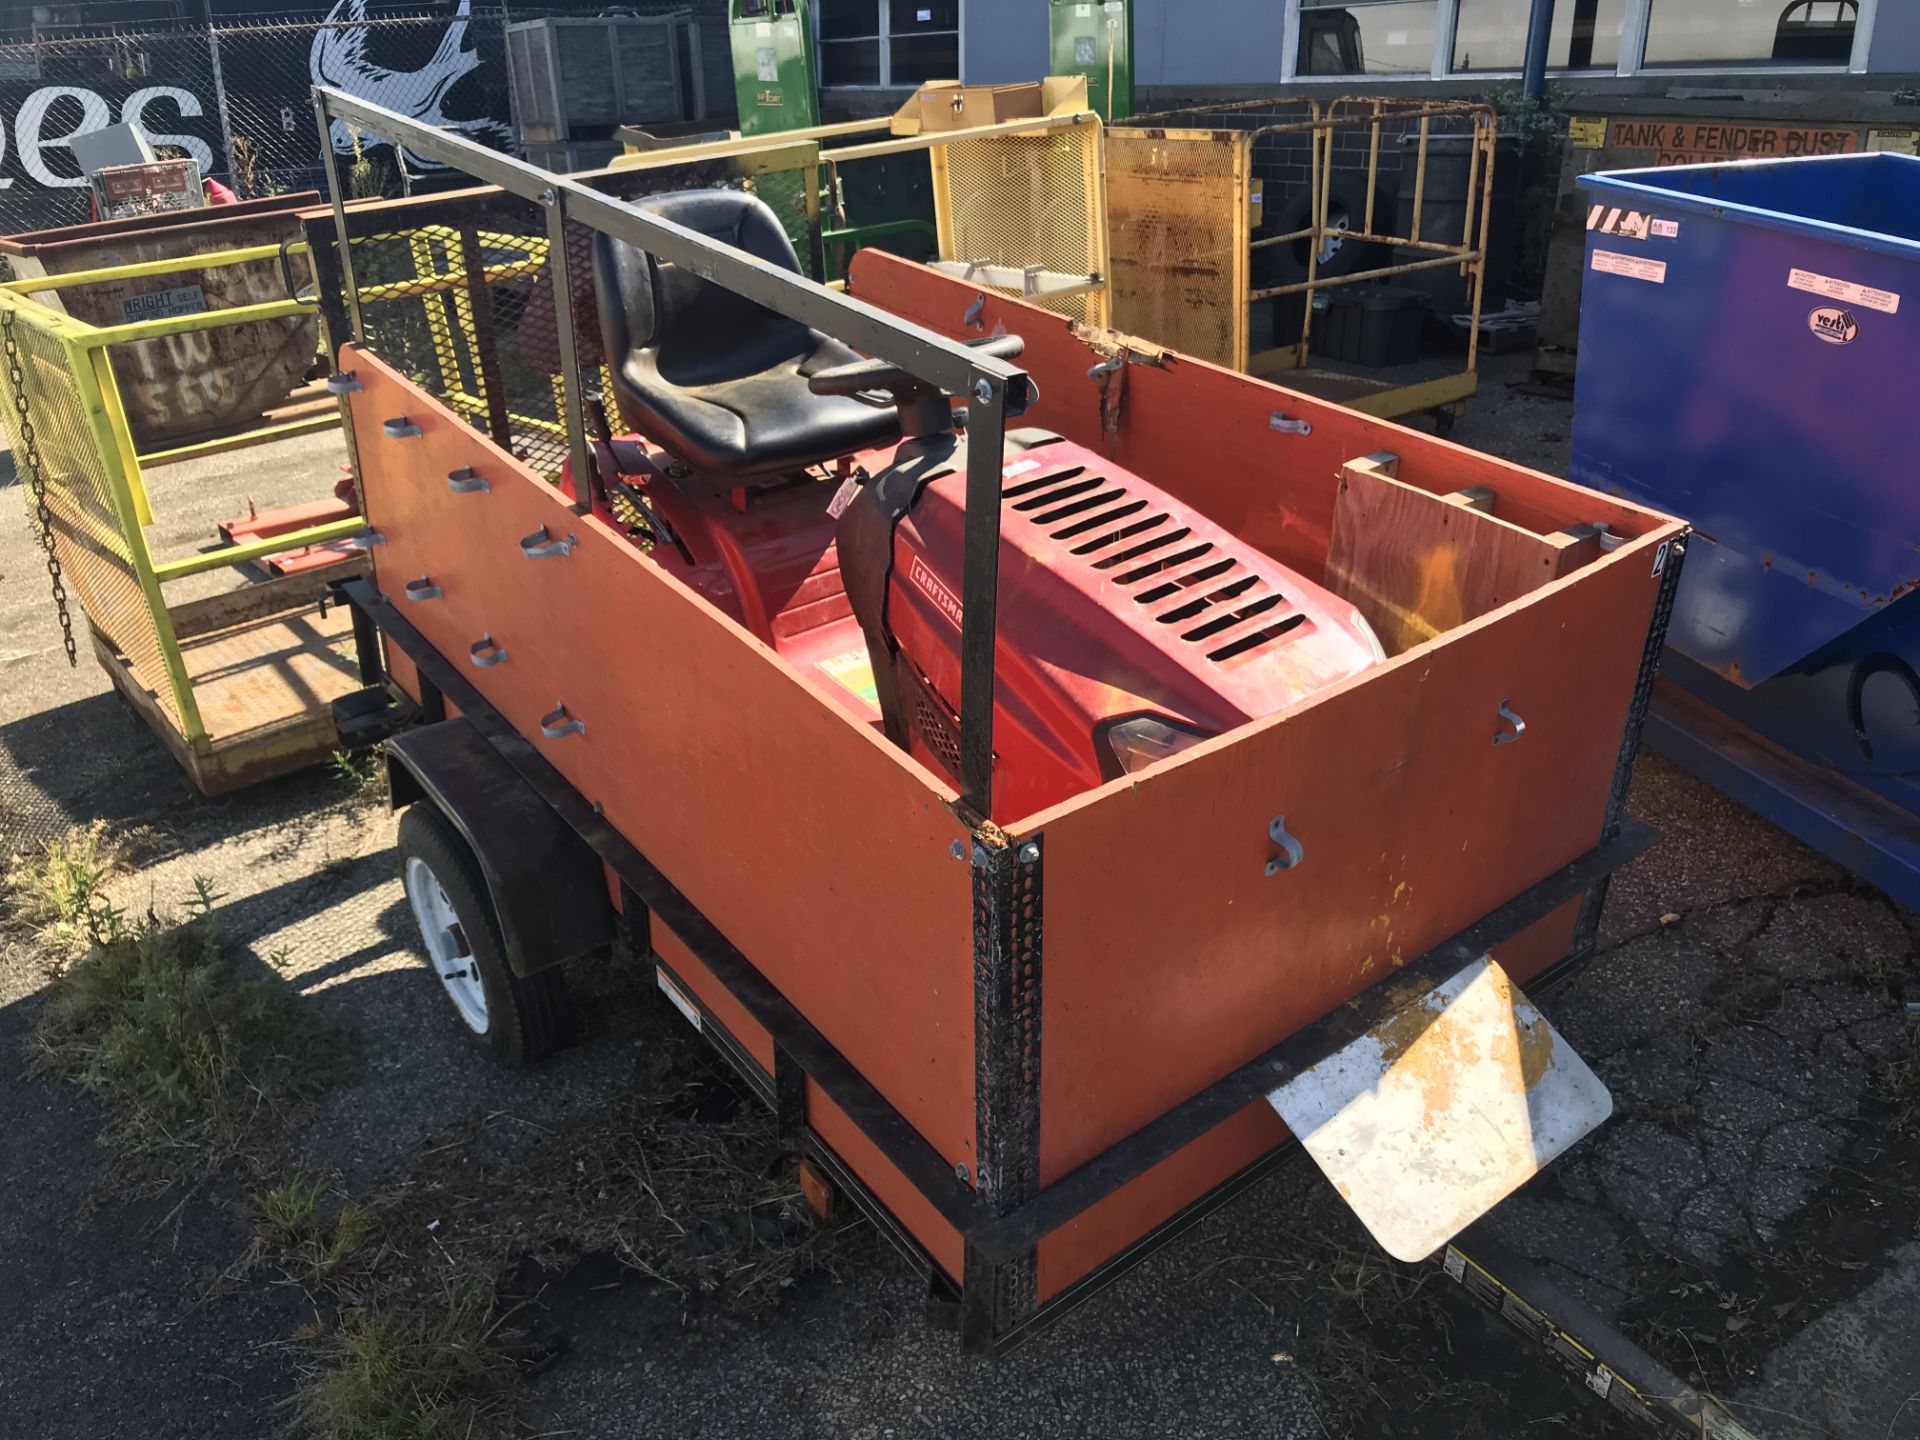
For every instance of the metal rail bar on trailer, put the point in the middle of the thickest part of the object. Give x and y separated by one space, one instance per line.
988 385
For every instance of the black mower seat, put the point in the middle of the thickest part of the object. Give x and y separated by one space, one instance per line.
717 380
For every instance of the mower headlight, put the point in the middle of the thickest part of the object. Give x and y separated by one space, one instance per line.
1138 742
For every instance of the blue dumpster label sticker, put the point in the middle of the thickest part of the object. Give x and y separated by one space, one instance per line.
1887 302
1630 224
1611 262
1833 325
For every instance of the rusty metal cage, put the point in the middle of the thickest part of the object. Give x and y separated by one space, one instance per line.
1230 224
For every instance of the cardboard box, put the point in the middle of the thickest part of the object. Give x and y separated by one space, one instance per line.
962 107
931 107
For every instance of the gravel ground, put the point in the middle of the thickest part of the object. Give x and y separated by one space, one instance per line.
1748 1213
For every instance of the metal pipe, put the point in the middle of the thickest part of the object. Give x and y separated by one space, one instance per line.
955 368
1533 79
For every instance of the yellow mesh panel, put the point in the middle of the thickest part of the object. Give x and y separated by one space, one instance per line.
1179 228
88 534
1026 200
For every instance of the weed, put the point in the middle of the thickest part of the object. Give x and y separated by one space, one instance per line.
290 1232
59 888
1750 996
362 772
430 1370
189 1056
1899 1077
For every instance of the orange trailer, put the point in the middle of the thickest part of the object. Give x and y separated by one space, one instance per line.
1032 1045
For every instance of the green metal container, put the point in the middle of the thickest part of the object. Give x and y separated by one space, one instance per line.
1094 38
773 65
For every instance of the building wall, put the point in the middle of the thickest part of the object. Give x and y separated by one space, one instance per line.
1218 42
1002 41
1896 39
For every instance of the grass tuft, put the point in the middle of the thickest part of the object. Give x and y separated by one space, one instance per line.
289 1227
59 888
425 1371
189 1056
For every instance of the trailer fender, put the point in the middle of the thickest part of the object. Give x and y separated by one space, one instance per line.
548 888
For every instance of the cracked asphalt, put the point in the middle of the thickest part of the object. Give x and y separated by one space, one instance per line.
1751 1214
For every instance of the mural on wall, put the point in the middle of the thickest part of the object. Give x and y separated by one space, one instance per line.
339 58
202 90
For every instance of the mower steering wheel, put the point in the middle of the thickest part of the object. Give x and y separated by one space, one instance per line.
864 377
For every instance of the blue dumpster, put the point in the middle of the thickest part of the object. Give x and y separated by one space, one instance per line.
1750 359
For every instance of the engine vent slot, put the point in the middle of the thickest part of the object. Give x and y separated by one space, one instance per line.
1172 537
1100 542
1038 482
1187 582
1105 517
1054 496
1079 506
1251 610
1258 637
1164 562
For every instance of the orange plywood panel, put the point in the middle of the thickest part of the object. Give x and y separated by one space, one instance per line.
711 993
1134 1209
883 1182
1417 564
1172 957
1204 434
816 848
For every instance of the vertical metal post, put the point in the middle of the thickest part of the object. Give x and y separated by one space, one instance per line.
1533 79
220 101
573 413
980 587
325 123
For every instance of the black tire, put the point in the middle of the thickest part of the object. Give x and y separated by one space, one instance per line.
525 1019
1346 199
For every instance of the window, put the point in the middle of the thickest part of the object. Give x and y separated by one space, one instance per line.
888 42
1385 38
1492 34
1721 32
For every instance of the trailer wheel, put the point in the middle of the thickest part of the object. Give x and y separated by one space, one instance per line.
518 1020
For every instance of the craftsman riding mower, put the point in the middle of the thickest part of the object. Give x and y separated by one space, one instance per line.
819 499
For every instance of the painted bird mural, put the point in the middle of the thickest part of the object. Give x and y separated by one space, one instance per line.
339 58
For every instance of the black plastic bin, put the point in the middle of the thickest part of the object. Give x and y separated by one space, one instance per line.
1369 324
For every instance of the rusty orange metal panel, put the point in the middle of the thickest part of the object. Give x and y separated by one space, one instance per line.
1202 433
819 850
1178 229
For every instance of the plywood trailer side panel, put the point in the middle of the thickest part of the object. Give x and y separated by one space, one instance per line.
816 848
1173 957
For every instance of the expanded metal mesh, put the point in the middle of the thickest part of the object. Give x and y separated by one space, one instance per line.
1177 217
90 533
1027 200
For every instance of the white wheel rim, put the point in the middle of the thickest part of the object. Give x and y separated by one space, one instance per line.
444 938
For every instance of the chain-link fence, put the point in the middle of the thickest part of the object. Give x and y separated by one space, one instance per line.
236 97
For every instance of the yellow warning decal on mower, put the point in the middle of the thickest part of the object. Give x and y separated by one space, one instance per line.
853 671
